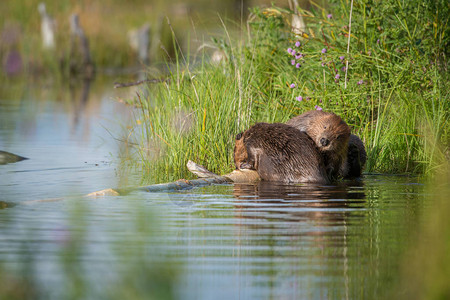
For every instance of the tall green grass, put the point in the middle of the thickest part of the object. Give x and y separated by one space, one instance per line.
395 98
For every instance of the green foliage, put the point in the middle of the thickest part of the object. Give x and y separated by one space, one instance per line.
107 25
390 87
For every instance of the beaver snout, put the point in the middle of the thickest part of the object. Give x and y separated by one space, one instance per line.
324 142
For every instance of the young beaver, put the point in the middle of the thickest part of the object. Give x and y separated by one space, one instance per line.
356 157
331 135
279 152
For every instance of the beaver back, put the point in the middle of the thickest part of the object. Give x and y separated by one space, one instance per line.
280 153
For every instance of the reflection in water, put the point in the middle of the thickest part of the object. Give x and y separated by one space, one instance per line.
272 190
305 221
81 102
301 202
69 135
263 241
266 242
272 241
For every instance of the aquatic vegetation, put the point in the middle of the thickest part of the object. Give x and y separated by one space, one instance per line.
390 86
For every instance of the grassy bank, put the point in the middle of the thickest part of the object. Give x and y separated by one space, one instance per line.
396 96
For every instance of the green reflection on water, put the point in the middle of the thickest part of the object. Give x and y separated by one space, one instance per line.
425 269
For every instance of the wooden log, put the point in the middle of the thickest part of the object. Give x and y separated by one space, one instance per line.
206 178
7 157
181 184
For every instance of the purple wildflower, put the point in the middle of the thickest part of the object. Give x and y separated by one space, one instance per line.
298 65
298 56
337 76
289 50
308 98
342 57
329 16
297 44
293 52
343 69
323 64
360 82
292 85
299 98
317 107
324 50
293 62
378 41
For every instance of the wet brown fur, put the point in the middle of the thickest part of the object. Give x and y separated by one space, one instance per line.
331 135
279 152
356 157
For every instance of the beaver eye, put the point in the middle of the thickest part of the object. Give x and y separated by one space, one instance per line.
324 127
239 136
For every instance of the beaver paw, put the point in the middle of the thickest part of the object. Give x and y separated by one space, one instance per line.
245 166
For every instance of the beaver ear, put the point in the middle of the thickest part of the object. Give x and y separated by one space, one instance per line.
239 136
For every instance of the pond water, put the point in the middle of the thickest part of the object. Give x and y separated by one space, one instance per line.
263 241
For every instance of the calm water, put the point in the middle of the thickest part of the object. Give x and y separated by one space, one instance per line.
264 241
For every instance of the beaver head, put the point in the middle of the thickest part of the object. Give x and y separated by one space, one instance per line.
241 154
329 132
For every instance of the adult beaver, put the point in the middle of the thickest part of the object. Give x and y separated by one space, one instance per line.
279 152
343 153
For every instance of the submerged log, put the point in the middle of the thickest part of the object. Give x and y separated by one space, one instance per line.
7 157
206 178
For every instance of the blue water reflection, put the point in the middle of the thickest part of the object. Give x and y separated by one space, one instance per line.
70 142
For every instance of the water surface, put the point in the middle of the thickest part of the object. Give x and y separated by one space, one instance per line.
263 241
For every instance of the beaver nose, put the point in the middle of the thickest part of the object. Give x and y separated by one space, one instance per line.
324 142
